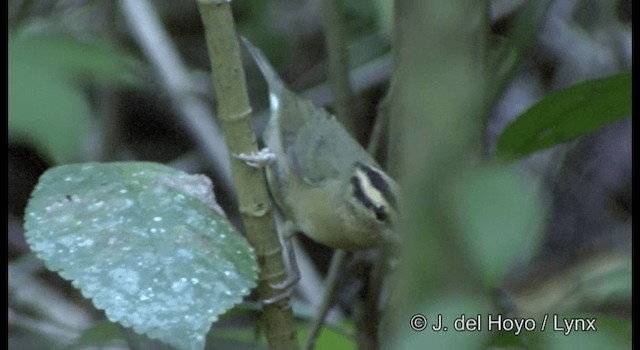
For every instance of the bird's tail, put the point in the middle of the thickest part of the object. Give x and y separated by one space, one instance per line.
270 75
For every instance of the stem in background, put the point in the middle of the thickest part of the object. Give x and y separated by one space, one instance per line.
154 41
311 282
338 63
438 91
337 260
234 112
110 131
366 309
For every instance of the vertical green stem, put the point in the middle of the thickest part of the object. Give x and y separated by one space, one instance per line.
234 112
435 107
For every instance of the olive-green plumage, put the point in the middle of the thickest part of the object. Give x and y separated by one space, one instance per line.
322 180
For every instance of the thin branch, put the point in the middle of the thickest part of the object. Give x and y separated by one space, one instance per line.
338 62
335 269
381 123
27 291
111 128
367 309
311 282
153 39
234 112
41 329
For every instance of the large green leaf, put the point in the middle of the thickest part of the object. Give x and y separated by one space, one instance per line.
567 114
143 242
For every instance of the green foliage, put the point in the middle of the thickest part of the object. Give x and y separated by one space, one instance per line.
100 334
330 338
610 333
143 242
566 114
46 106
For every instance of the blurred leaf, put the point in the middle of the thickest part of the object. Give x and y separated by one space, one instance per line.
330 337
242 336
504 340
46 108
72 56
237 329
521 38
499 218
606 280
610 333
616 327
101 334
600 281
567 114
142 241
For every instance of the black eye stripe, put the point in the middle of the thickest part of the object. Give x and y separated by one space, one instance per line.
359 194
379 183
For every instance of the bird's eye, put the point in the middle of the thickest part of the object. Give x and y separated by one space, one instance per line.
381 214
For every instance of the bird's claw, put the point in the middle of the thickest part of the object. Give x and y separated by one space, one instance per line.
259 159
293 275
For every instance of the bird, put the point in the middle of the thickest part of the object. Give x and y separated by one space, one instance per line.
323 182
